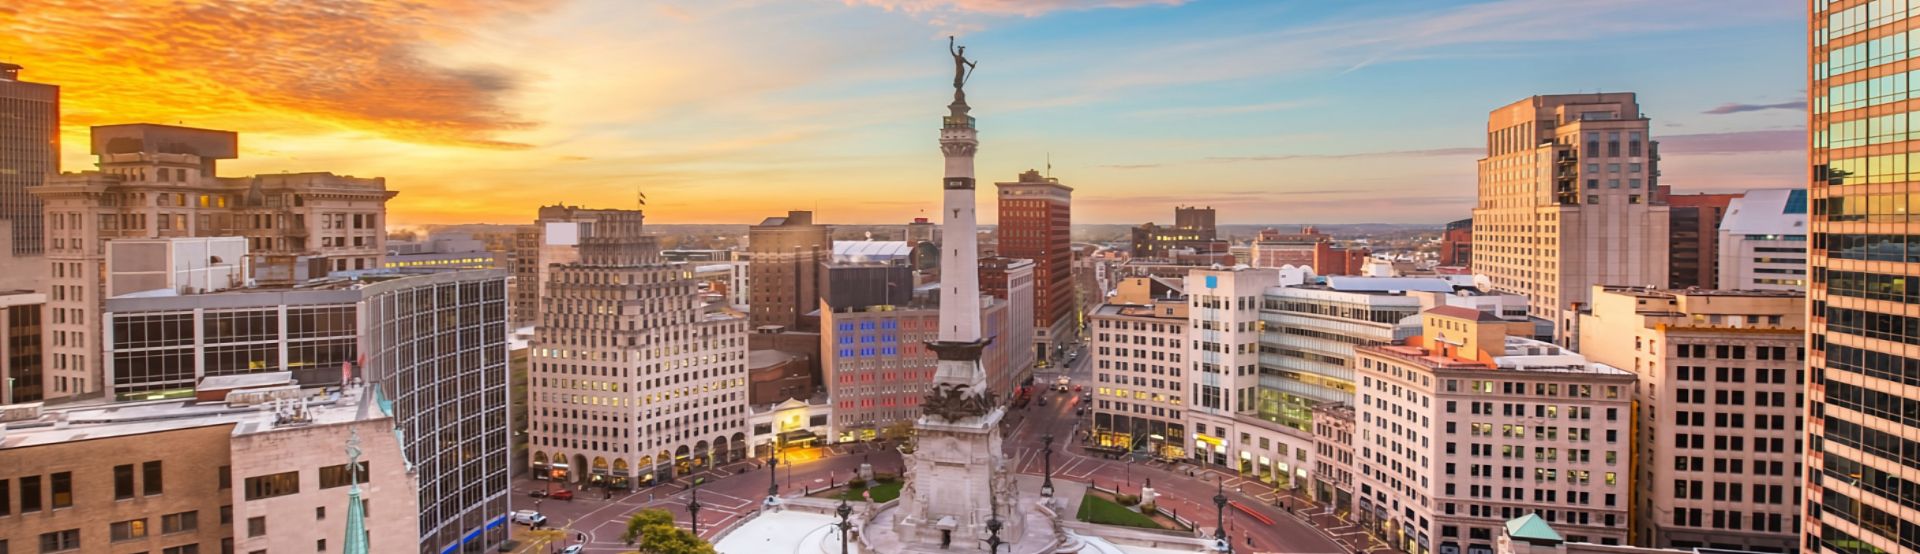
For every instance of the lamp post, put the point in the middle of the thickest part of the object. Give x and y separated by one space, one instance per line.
843 511
693 508
773 477
1220 519
1046 453
993 535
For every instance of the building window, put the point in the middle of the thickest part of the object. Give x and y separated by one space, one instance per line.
123 482
226 477
30 500
269 486
182 549
59 541
62 490
256 526
128 530
180 522
151 482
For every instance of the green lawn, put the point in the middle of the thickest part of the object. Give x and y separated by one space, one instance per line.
881 493
1094 509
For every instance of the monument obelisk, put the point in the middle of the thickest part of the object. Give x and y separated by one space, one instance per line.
956 472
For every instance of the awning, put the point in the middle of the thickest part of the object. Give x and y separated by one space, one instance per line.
799 435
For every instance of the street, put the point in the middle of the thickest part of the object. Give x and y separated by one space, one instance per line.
727 494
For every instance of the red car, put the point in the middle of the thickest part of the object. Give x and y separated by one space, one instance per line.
561 494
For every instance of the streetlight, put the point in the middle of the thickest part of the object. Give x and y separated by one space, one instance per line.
843 511
993 535
773 476
693 508
1220 519
1046 452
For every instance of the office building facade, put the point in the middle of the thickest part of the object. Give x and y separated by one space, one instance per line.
22 332
1693 253
158 181
554 238
29 154
785 257
1467 427
635 380
1719 424
1763 241
1567 200
1860 327
1036 219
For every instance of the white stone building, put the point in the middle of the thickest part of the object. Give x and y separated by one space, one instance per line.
634 380
1763 241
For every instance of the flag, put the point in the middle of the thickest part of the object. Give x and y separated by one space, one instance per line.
643 198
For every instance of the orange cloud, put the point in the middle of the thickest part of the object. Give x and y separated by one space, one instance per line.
296 67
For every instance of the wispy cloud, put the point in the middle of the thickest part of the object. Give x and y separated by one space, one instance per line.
1734 142
1362 41
1208 111
359 64
1027 8
1732 107
1431 152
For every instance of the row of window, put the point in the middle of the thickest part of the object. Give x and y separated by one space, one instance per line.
1869 247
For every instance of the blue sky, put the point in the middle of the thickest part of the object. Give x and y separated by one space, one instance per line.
729 110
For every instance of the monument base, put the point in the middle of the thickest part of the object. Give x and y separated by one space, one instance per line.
956 482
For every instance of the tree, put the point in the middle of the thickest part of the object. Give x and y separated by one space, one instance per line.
654 532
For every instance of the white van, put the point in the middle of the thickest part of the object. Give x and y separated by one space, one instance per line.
529 517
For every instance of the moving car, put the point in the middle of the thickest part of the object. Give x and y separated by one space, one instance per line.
575 549
559 494
529 517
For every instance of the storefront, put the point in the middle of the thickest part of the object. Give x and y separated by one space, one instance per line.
1209 449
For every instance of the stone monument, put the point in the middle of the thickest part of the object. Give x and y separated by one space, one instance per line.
956 473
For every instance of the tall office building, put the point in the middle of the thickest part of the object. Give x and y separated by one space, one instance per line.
635 379
1035 220
784 268
1567 201
554 238
1861 451
158 181
1718 424
29 153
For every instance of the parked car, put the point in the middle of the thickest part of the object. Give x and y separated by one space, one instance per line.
1081 411
529 517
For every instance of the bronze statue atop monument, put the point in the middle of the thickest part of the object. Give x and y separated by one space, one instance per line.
962 68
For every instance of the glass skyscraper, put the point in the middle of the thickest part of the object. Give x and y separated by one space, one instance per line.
1863 420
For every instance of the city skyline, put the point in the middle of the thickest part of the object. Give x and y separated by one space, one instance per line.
533 103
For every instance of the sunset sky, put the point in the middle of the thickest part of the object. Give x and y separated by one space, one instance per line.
727 111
